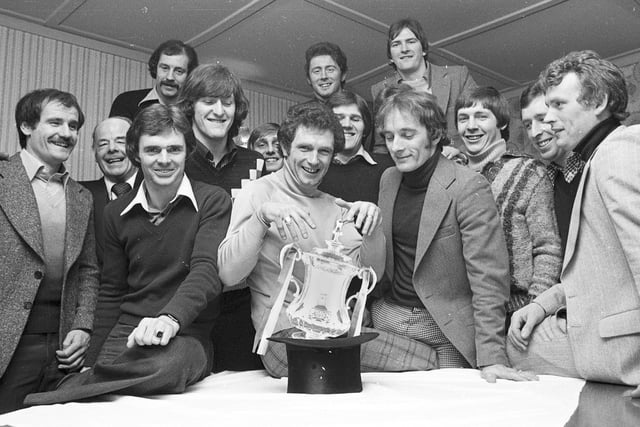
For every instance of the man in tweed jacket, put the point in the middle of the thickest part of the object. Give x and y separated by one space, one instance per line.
49 279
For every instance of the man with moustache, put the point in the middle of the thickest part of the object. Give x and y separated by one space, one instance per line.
287 206
119 174
326 69
169 66
160 289
49 276
588 325
354 174
215 102
407 49
563 168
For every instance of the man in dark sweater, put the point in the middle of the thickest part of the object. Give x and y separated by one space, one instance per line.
354 173
169 66
563 168
160 287
215 103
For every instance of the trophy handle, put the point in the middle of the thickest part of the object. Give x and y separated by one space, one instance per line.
366 274
287 261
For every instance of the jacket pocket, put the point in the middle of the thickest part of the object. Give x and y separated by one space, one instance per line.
625 323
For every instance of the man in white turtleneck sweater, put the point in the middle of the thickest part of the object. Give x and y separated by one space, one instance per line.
286 206
522 191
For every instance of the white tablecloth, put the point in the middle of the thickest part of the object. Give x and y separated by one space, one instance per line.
446 397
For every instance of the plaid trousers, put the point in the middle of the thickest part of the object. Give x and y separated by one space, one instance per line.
389 352
417 323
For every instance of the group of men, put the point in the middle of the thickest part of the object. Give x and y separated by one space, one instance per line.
132 285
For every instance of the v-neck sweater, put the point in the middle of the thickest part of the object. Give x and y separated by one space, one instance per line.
169 268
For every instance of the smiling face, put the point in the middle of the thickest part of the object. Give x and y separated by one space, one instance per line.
212 118
325 76
540 133
54 136
569 119
269 147
478 128
352 124
162 159
406 52
110 143
171 74
407 140
309 156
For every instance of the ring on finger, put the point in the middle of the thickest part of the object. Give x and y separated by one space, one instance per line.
159 334
287 220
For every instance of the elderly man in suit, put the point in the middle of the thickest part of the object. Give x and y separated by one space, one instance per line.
446 280
588 326
119 174
49 277
407 49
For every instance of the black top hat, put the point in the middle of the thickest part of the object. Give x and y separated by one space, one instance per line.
324 366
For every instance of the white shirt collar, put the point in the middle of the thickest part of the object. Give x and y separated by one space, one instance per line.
361 152
151 96
185 190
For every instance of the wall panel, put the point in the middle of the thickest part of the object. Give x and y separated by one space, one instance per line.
29 61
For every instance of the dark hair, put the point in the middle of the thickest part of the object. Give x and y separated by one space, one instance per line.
422 106
411 25
30 106
346 97
530 93
156 119
326 48
312 115
492 100
173 47
215 81
262 131
598 77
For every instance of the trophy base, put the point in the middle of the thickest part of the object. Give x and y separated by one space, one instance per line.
325 366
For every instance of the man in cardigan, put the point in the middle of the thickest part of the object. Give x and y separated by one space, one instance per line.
120 175
160 288
169 66
563 168
215 102
588 325
49 278
407 50
354 174
522 192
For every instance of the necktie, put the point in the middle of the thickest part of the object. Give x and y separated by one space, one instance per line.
121 188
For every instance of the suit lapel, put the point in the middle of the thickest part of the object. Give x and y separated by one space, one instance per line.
77 218
442 86
19 203
387 200
436 204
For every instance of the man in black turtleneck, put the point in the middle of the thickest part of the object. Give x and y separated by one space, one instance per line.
589 324
446 278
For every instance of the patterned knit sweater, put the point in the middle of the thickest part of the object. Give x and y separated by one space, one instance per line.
524 197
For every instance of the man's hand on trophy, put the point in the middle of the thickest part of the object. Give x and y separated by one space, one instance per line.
365 215
290 220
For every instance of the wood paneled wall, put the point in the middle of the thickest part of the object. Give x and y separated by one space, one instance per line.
30 61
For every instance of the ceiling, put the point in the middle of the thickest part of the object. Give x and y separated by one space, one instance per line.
505 43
